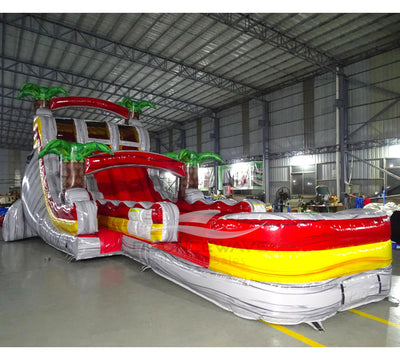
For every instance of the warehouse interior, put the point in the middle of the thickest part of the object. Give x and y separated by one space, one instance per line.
304 109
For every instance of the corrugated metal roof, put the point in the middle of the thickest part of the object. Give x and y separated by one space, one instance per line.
188 64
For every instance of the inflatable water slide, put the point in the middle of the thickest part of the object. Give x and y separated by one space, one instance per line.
93 189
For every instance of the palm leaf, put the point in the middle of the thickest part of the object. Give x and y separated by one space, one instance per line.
185 156
126 103
172 155
39 93
30 87
25 93
53 91
206 156
182 156
79 152
135 106
142 104
193 158
59 147
43 93
75 152
90 148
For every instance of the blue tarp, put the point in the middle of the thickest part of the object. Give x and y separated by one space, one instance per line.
359 203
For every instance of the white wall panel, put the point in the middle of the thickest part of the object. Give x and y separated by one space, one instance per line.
231 140
256 128
191 136
207 133
12 165
326 137
279 174
326 172
374 84
289 143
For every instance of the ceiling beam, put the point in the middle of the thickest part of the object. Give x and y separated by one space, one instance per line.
269 35
95 42
90 83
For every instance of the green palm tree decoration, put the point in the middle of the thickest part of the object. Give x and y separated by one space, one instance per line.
73 156
73 152
40 94
192 160
135 107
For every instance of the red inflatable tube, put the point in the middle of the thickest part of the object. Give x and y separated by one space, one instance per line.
70 101
194 252
102 162
292 235
120 210
241 206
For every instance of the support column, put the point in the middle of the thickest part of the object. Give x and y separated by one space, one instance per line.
158 144
182 140
266 124
216 150
198 133
341 131
3 41
170 139
246 129
308 109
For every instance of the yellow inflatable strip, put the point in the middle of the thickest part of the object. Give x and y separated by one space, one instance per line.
121 225
68 226
299 266
114 223
361 313
295 335
156 232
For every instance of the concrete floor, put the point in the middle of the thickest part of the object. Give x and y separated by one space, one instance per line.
47 300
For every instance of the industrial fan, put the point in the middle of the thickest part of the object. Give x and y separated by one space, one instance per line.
282 195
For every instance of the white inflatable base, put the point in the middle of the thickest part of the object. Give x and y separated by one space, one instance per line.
286 304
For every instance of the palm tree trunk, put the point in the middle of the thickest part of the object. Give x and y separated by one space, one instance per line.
189 181
72 175
132 116
42 104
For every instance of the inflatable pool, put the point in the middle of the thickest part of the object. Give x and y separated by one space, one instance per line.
283 268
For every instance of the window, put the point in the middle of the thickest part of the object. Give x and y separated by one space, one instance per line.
128 134
302 180
66 130
98 130
393 184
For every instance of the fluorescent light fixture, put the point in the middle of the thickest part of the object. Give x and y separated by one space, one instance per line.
394 151
302 160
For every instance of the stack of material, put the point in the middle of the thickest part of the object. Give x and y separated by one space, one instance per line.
388 208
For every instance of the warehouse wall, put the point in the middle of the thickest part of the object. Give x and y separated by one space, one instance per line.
303 119
12 168
286 119
324 111
377 103
382 73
